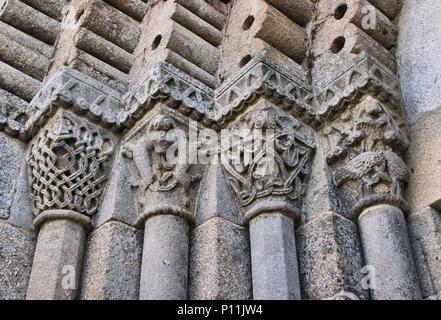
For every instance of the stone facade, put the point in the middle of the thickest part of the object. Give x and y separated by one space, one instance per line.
339 199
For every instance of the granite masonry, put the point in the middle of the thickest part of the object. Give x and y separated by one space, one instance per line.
338 198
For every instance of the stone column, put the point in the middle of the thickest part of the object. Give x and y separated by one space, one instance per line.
270 188
220 261
68 169
274 257
387 250
425 235
58 256
164 270
166 190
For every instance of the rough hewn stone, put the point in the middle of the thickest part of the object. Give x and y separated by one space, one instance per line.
16 254
112 265
330 258
220 264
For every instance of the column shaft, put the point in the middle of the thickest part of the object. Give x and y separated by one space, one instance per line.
164 270
387 249
274 258
58 258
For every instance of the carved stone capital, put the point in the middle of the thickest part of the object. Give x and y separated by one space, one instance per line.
164 180
69 163
364 147
268 162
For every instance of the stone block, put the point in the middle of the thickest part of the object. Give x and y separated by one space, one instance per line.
16 254
112 265
215 198
418 57
10 159
330 258
424 153
425 234
220 265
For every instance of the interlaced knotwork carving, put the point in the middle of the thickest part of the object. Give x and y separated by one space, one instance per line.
68 166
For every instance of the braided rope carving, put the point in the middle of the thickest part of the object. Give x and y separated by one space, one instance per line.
68 166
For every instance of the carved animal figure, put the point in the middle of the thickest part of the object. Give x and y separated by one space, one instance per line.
398 172
373 168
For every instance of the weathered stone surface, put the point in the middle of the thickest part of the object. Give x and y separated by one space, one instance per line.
119 198
387 249
112 264
425 181
330 258
10 160
425 235
418 42
58 258
215 198
87 82
220 265
16 254
274 258
164 270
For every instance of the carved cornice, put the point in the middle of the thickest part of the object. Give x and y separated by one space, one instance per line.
264 79
72 90
367 76
173 87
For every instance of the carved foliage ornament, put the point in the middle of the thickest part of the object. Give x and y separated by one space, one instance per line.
269 155
69 165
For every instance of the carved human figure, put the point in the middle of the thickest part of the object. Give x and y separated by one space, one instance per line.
151 156
272 156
